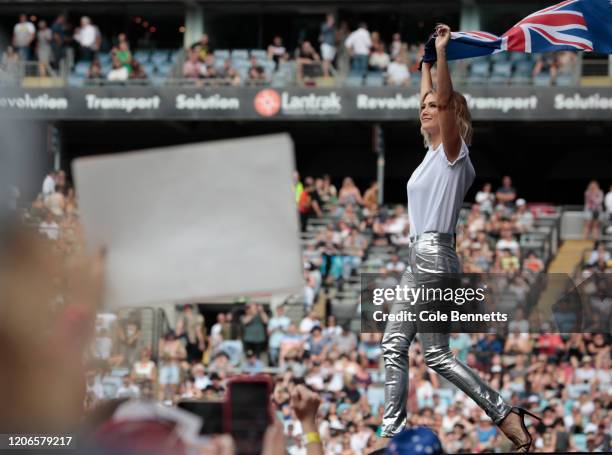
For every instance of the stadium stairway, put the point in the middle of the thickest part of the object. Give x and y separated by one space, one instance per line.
569 256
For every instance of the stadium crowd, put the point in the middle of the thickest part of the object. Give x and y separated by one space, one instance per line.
337 51
566 378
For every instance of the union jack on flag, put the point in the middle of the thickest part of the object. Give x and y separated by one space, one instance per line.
578 25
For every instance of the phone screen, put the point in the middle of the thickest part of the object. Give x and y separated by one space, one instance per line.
210 412
249 403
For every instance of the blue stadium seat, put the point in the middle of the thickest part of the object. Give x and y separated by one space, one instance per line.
522 73
501 73
104 58
354 80
479 72
149 68
260 54
564 80
159 57
240 54
164 69
269 65
75 81
519 57
221 54
81 69
499 57
278 80
241 63
174 55
542 80
374 80
142 56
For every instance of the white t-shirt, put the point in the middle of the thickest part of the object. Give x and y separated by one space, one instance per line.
608 202
436 190
398 73
48 186
512 245
359 41
118 74
87 35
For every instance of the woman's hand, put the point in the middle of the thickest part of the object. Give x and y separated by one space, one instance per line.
444 33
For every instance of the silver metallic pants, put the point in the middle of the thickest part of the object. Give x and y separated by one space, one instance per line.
431 255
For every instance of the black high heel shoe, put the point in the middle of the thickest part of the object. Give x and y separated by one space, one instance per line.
523 448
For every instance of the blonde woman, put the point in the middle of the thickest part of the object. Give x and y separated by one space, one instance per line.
436 191
593 206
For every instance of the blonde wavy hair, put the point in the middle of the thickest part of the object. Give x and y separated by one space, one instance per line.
464 119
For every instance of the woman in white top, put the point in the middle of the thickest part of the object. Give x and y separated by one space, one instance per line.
436 191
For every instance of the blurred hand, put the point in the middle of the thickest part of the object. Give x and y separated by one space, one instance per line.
304 403
222 444
444 32
274 440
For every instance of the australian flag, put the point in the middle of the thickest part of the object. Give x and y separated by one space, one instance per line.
576 25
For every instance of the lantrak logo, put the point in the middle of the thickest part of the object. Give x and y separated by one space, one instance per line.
267 102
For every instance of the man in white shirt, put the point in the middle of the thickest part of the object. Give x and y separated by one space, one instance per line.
358 44
507 242
88 36
24 33
48 186
128 389
397 72
608 203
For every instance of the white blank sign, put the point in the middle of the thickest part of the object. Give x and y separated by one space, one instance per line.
193 222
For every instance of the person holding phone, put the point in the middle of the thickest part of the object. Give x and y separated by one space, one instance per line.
436 191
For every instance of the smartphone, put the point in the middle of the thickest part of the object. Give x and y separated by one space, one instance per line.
247 411
211 413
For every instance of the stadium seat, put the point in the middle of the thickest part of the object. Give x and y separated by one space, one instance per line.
242 54
164 69
479 72
75 81
105 58
354 80
159 57
501 73
374 80
259 54
221 54
269 65
518 57
499 57
142 56
149 68
542 80
81 69
175 55
564 80
522 73
278 80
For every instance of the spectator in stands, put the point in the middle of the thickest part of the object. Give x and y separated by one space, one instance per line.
48 186
379 59
277 52
192 68
127 389
396 46
327 38
532 263
309 203
547 63
144 369
89 38
358 44
202 47
608 203
254 328
307 61
43 47
138 71
370 199
123 54
229 74
171 352
395 265
593 200
119 72
49 227
128 335
191 327
277 327
253 364
55 202
58 29
599 255
566 62
349 193
24 34
9 63
397 71
95 70
486 199
256 73
506 194
416 54
523 218
507 242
